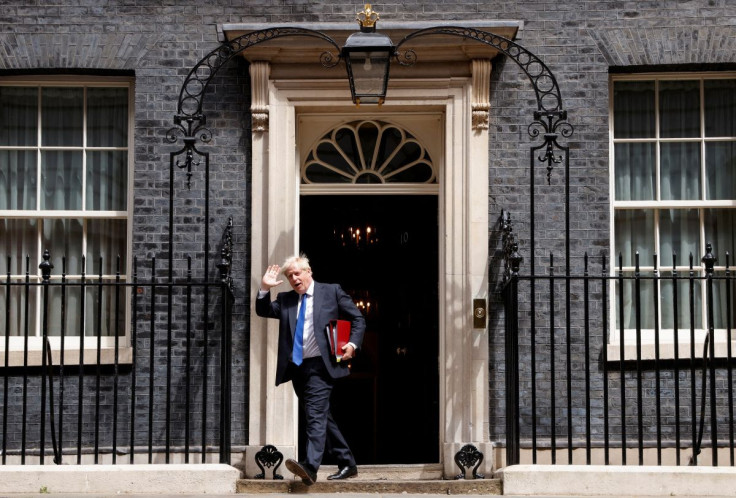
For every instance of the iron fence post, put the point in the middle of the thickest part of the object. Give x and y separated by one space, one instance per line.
709 260
512 359
45 268
226 283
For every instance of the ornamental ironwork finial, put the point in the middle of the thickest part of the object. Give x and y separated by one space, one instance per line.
367 18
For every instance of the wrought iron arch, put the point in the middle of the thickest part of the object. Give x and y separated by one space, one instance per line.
550 119
189 120
545 84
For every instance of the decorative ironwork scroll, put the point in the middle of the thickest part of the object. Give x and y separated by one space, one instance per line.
269 456
190 122
511 256
226 255
468 457
550 126
549 116
542 79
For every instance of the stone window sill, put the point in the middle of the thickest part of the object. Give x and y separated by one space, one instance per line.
71 357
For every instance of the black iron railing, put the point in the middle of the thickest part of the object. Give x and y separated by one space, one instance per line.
601 371
140 385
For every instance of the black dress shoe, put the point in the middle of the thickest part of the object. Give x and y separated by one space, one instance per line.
300 470
344 473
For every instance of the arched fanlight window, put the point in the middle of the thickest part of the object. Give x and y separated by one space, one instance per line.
368 152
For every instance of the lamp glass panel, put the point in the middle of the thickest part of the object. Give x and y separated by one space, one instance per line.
369 72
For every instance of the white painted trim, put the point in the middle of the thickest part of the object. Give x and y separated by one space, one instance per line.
647 336
79 81
611 480
149 480
463 252
346 189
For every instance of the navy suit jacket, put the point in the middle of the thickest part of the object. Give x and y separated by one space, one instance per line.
330 303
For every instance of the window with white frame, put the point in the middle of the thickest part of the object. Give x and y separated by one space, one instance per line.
673 147
65 170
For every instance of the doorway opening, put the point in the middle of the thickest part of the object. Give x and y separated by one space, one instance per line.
383 251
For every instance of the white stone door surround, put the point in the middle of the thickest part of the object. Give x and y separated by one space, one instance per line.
461 101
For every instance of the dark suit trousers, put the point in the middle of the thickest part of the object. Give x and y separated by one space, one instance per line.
313 385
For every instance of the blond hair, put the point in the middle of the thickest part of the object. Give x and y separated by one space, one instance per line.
300 262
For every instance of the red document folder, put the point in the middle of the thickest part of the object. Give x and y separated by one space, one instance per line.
338 333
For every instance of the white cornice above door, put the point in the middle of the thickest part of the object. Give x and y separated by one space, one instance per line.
298 57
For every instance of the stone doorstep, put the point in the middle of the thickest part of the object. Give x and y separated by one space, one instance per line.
394 472
399 478
438 486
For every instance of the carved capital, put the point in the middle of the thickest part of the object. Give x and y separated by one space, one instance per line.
259 73
481 69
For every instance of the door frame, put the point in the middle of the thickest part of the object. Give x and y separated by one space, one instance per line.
463 269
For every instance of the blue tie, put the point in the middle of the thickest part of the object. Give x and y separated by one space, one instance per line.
298 352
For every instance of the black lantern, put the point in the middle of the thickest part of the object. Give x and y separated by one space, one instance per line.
367 55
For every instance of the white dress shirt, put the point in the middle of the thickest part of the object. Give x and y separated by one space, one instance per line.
311 348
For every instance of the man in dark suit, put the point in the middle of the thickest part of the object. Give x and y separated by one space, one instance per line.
305 360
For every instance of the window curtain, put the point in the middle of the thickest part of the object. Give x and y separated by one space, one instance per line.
18 239
635 234
101 161
720 156
106 240
720 167
720 230
680 179
18 117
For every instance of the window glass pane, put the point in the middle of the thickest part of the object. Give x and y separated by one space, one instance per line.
645 300
316 173
104 324
18 115
679 233
63 239
18 239
368 177
328 155
106 239
71 311
62 116
635 171
633 113
720 108
107 180
687 298
402 160
345 140
19 311
679 109
18 179
420 172
107 117
720 230
634 233
720 170
723 300
368 133
391 139
680 171
61 179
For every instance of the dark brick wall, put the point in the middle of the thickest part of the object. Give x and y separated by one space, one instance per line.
160 41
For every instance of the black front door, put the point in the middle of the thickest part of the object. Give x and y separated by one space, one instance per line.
383 250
